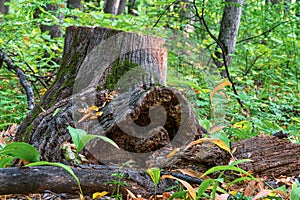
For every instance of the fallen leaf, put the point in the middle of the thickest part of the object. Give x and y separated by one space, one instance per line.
218 142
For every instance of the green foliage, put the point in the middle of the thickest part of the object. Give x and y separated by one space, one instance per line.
117 182
55 164
295 194
81 138
20 150
213 184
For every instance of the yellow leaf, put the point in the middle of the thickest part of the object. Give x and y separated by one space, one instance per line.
184 183
93 117
218 87
99 114
218 142
94 108
97 195
241 125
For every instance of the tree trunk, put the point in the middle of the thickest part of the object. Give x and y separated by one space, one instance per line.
93 59
228 32
54 30
74 4
3 7
114 7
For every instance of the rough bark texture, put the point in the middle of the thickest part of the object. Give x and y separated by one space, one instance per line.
79 58
92 179
271 156
229 31
87 50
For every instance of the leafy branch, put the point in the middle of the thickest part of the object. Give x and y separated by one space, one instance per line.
221 45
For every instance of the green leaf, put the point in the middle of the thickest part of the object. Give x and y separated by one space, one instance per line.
226 167
154 173
221 136
295 193
56 164
5 161
56 111
203 187
240 161
81 138
21 150
76 135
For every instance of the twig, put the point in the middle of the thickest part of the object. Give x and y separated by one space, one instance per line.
161 15
255 36
220 44
20 73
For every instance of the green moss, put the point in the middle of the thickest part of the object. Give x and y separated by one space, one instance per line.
118 70
28 132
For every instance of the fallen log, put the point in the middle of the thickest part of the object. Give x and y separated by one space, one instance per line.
264 151
94 178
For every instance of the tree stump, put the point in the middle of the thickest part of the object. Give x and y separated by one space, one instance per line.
114 84
123 75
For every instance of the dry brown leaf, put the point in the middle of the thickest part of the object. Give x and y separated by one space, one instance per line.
172 153
85 117
215 129
261 194
93 108
222 196
131 195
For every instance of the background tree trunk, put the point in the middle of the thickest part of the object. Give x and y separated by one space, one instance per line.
114 7
55 30
74 4
3 7
228 32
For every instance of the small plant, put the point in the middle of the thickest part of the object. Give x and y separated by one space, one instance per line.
80 139
154 173
117 181
212 184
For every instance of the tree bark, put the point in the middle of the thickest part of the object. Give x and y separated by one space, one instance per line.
92 179
77 86
54 30
3 7
228 32
114 7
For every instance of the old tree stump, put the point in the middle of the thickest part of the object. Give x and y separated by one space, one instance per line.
113 84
